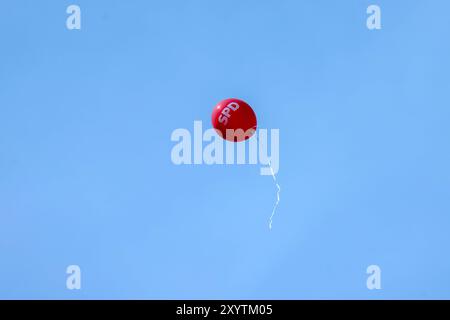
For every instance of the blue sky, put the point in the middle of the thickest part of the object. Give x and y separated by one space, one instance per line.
86 176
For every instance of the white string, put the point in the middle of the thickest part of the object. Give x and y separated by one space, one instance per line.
278 195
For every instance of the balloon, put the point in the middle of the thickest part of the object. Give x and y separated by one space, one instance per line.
234 114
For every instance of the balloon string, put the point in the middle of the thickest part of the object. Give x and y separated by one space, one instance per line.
278 195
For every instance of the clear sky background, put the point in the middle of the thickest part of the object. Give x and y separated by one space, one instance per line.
86 176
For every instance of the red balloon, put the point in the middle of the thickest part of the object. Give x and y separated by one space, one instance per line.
234 114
